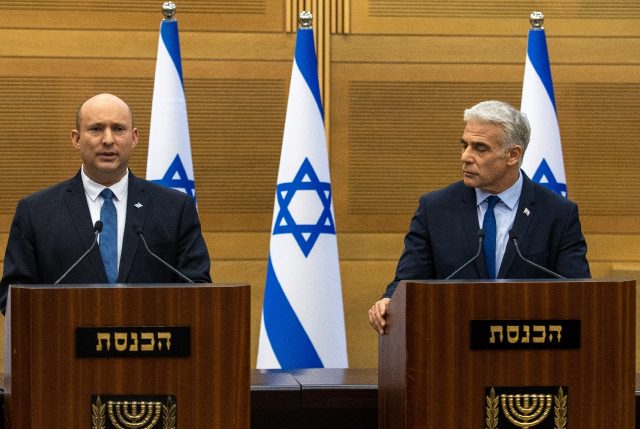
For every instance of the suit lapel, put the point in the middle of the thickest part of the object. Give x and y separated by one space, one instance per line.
470 228
526 212
76 201
137 203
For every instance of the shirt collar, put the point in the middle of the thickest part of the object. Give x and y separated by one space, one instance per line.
93 189
510 196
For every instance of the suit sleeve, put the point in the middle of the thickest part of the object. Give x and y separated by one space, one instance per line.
572 253
20 259
193 257
416 261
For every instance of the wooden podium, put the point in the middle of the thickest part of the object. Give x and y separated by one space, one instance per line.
80 356
430 376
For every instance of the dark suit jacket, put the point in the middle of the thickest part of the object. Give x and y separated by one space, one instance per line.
444 235
52 228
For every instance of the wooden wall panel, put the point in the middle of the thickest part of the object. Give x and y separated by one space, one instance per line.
238 123
188 6
598 122
503 9
460 17
197 15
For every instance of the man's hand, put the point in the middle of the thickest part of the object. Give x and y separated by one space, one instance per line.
378 314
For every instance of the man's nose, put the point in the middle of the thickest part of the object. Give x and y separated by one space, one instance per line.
107 136
465 156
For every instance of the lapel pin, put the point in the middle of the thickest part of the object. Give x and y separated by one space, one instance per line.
526 211
138 205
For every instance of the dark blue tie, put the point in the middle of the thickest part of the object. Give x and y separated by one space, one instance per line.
109 235
489 243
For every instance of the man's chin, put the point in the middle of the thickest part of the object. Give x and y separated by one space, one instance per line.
108 166
111 170
469 182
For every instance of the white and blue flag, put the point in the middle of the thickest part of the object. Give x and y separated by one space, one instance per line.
169 158
303 316
543 159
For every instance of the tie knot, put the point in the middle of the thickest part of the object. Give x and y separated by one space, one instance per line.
492 201
107 194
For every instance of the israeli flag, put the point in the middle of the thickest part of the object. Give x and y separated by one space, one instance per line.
169 158
543 159
303 316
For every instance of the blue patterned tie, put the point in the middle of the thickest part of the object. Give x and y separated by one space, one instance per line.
109 235
489 243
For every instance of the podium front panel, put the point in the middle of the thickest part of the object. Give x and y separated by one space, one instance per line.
48 385
429 376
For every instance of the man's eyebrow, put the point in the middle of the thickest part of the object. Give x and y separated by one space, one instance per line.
473 142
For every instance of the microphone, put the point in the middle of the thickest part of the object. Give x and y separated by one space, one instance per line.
138 230
514 237
480 238
97 229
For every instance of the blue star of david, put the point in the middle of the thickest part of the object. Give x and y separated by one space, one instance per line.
169 180
306 179
544 172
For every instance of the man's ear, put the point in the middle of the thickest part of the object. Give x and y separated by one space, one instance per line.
514 155
134 136
75 138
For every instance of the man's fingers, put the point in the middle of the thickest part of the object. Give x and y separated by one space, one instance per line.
377 314
382 307
373 319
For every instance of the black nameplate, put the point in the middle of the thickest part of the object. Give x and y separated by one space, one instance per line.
133 341
525 334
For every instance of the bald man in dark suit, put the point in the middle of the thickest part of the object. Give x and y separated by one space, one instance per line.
52 228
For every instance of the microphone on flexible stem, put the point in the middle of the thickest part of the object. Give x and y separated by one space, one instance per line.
514 237
480 238
97 229
138 230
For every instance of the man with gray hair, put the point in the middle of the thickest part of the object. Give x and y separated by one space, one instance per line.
493 201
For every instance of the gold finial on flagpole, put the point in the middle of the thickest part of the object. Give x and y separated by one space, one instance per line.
536 19
168 10
304 20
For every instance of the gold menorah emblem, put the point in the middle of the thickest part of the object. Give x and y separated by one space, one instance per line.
526 407
525 411
134 412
